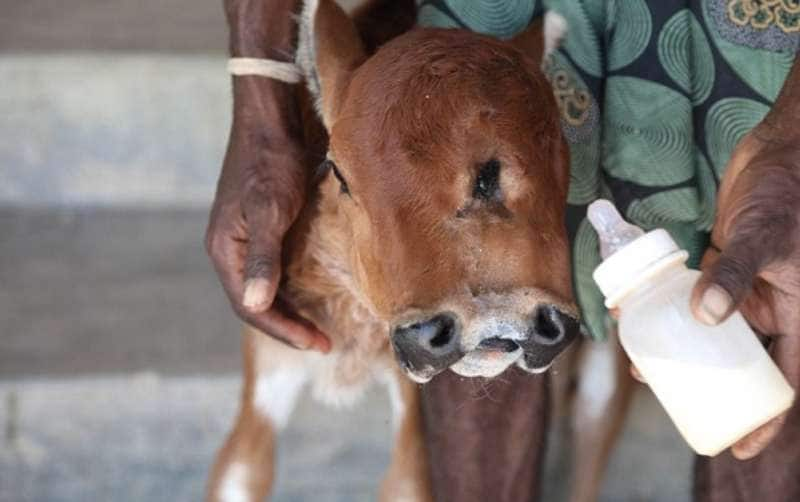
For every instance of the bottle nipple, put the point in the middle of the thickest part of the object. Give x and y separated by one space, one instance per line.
614 232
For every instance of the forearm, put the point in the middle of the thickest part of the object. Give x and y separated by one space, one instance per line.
782 119
262 28
263 107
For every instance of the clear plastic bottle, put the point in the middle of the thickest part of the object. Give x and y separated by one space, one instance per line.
717 383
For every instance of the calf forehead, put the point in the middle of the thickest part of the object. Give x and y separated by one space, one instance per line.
434 93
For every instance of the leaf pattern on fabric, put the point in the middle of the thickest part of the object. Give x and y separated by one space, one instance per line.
429 16
706 191
597 12
689 239
676 211
500 18
647 132
727 121
669 206
584 182
632 27
763 70
685 54
581 42
585 257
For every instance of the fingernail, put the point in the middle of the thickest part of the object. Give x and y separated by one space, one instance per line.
304 345
714 305
255 293
322 345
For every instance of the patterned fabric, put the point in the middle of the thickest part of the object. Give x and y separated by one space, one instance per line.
654 95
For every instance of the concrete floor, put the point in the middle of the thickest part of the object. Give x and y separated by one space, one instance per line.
118 359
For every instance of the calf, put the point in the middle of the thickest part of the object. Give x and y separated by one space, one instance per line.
435 234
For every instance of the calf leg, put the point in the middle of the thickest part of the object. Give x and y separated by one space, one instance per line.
604 393
244 467
407 479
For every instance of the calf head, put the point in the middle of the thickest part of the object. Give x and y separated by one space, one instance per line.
448 174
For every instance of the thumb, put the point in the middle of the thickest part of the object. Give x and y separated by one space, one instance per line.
262 270
726 280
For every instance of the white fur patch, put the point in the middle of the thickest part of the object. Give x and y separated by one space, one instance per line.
330 390
395 398
276 394
597 378
234 485
485 364
555 28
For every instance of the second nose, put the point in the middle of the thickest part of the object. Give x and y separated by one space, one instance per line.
430 345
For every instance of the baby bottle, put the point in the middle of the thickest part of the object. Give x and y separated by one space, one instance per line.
717 383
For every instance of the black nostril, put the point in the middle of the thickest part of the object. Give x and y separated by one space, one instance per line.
445 328
431 345
438 335
549 332
548 324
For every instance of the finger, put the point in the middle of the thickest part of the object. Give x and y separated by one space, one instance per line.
786 352
262 270
227 255
261 275
298 333
752 444
636 374
725 282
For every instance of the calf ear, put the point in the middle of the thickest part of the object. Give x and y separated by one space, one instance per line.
329 49
542 37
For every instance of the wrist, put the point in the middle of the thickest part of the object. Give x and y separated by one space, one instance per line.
266 107
262 28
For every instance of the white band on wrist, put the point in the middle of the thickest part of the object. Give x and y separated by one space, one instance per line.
278 70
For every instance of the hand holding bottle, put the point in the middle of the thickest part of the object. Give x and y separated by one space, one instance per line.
717 383
754 264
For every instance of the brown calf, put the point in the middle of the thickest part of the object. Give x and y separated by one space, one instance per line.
437 231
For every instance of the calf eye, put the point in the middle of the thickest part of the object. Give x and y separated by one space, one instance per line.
487 184
343 188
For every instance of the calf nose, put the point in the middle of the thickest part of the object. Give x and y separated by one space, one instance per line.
428 347
549 332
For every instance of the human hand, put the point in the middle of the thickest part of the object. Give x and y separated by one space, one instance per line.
260 192
754 262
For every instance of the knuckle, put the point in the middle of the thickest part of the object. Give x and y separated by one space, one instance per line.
208 243
213 245
259 265
735 274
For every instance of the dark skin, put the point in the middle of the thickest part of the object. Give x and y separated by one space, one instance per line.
263 179
754 264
